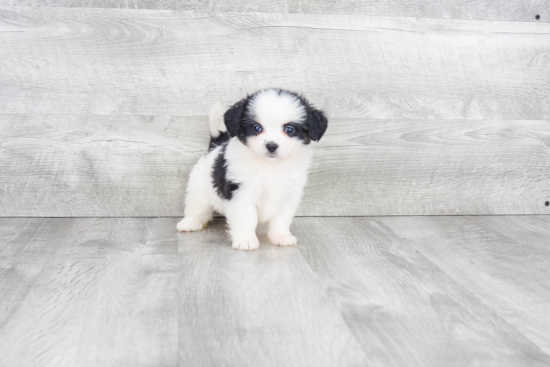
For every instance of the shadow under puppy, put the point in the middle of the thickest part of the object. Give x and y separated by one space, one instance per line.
256 167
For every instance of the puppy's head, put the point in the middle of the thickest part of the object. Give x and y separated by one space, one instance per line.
275 124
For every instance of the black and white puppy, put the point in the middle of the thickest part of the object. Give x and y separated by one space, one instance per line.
256 167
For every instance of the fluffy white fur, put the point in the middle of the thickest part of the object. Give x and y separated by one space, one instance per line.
270 185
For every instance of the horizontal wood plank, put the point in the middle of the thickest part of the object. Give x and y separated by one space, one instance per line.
138 166
432 168
455 9
154 62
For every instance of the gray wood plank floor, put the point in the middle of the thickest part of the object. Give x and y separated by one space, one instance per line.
382 291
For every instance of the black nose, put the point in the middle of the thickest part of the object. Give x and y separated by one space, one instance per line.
271 147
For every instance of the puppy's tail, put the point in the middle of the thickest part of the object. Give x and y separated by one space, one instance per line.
218 131
215 117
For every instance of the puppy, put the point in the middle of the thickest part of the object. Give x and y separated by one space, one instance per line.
256 167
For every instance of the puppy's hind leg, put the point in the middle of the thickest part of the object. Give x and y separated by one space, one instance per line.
198 210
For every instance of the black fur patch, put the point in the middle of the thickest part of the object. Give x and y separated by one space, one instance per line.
224 187
300 133
220 140
239 120
232 117
246 130
316 121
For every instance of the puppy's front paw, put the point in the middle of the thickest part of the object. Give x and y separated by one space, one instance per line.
282 238
189 225
247 244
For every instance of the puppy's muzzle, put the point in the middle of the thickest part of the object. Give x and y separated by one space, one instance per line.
272 147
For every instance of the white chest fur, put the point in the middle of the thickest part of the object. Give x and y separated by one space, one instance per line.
270 185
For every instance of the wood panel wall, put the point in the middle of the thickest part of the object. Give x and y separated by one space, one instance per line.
103 110
514 10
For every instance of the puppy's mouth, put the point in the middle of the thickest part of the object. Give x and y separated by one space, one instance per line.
272 155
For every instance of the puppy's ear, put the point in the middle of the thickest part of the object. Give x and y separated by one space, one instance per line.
318 124
233 116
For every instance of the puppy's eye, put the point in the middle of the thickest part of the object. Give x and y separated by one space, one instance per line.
257 128
290 130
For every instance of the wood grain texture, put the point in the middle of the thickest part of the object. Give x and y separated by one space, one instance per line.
104 293
154 62
138 166
432 167
26 246
102 108
261 308
354 292
503 262
97 165
456 9
404 309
